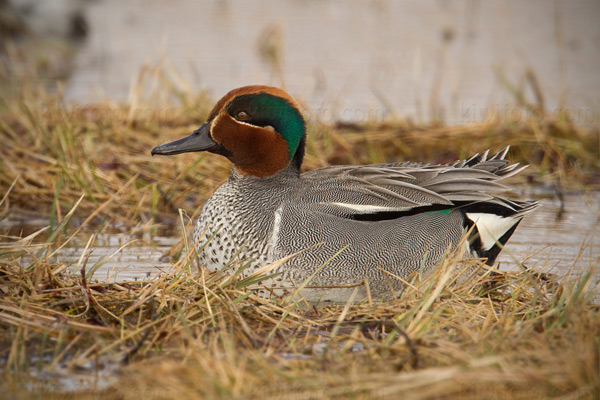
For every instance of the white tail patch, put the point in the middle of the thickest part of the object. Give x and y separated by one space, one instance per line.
491 227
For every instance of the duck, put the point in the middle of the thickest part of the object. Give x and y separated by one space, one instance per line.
342 230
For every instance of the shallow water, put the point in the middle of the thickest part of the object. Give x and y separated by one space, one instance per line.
549 238
558 240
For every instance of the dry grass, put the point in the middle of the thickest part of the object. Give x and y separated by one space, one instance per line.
189 334
53 152
182 335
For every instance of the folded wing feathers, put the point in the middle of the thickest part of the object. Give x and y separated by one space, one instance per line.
523 207
501 154
469 196
377 187
513 170
461 173
467 184
401 186
368 171
422 195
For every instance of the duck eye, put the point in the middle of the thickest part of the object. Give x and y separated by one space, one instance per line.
242 115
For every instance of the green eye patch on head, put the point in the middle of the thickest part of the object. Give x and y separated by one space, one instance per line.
264 109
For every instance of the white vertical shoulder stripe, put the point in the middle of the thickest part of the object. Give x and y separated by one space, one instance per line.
276 227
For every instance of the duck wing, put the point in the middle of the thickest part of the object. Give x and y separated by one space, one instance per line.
386 191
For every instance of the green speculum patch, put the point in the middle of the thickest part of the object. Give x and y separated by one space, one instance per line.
446 211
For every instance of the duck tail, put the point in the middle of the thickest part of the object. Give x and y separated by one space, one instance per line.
492 224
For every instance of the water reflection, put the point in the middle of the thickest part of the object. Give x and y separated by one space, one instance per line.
559 239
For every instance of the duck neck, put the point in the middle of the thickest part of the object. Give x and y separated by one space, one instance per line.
290 173
286 176
299 154
268 192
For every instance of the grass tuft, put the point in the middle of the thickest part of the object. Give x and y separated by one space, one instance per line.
182 335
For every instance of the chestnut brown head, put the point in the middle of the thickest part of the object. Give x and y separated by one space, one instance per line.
259 128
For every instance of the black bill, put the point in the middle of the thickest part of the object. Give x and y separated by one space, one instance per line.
199 140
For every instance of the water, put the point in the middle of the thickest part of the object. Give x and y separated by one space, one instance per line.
549 238
124 255
355 60
558 240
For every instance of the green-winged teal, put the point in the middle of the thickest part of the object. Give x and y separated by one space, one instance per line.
355 221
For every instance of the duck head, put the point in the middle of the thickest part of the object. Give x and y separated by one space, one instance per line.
258 128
